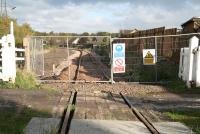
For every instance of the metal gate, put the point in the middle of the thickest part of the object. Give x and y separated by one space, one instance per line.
89 58
167 48
70 58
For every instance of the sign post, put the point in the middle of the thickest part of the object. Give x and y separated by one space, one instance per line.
119 58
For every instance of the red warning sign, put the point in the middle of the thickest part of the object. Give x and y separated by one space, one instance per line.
119 62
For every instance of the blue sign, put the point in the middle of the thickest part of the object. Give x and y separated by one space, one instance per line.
119 51
119 48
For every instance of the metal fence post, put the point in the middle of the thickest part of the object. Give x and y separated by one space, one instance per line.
156 56
42 57
68 60
111 60
34 47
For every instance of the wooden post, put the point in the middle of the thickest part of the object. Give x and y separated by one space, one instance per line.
26 44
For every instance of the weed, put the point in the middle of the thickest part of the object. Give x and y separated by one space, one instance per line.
6 85
189 118
179 86
52 130
25 80
73 107
12 123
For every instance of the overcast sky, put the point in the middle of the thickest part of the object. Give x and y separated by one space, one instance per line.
102 15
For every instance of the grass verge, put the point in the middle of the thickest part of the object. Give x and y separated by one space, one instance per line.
13 123
189 118
178 86
24 80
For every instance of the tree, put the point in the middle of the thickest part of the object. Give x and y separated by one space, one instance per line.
26 29
85 34
20 31
103 34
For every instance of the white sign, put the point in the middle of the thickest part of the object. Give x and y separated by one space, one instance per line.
119 58
149 56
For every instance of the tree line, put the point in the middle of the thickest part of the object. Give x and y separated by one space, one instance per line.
23 30
20 31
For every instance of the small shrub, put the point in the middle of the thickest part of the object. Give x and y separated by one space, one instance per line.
25 80
6 85
189 118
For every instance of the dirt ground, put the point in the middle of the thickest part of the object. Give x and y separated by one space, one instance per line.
90 69
40 100
150 96
94 101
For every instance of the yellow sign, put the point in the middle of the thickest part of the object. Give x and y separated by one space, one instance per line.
149 56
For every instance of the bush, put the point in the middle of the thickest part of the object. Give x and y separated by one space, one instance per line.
25 80
6 85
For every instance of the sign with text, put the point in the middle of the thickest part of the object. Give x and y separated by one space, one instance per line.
118 57
149 56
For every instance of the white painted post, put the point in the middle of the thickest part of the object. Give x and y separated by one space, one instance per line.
198 68
193 43
8 56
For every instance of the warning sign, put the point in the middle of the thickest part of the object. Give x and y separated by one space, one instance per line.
149 56
118 58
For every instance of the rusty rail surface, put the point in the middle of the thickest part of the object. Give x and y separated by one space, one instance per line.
140 116
68 115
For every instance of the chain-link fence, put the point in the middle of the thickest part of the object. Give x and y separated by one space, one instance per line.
167 51
70 58
36 56
92 55
89 58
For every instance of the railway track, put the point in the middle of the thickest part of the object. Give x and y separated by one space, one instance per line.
88 69
69 113
140 116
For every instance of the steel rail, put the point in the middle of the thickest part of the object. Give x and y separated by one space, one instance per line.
140 116
68 115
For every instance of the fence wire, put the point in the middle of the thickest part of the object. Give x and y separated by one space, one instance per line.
57 57
168 55
36 56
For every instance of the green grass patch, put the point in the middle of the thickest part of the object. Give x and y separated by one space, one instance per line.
50 46
179 86
24 80
12 123
189 118
6 85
